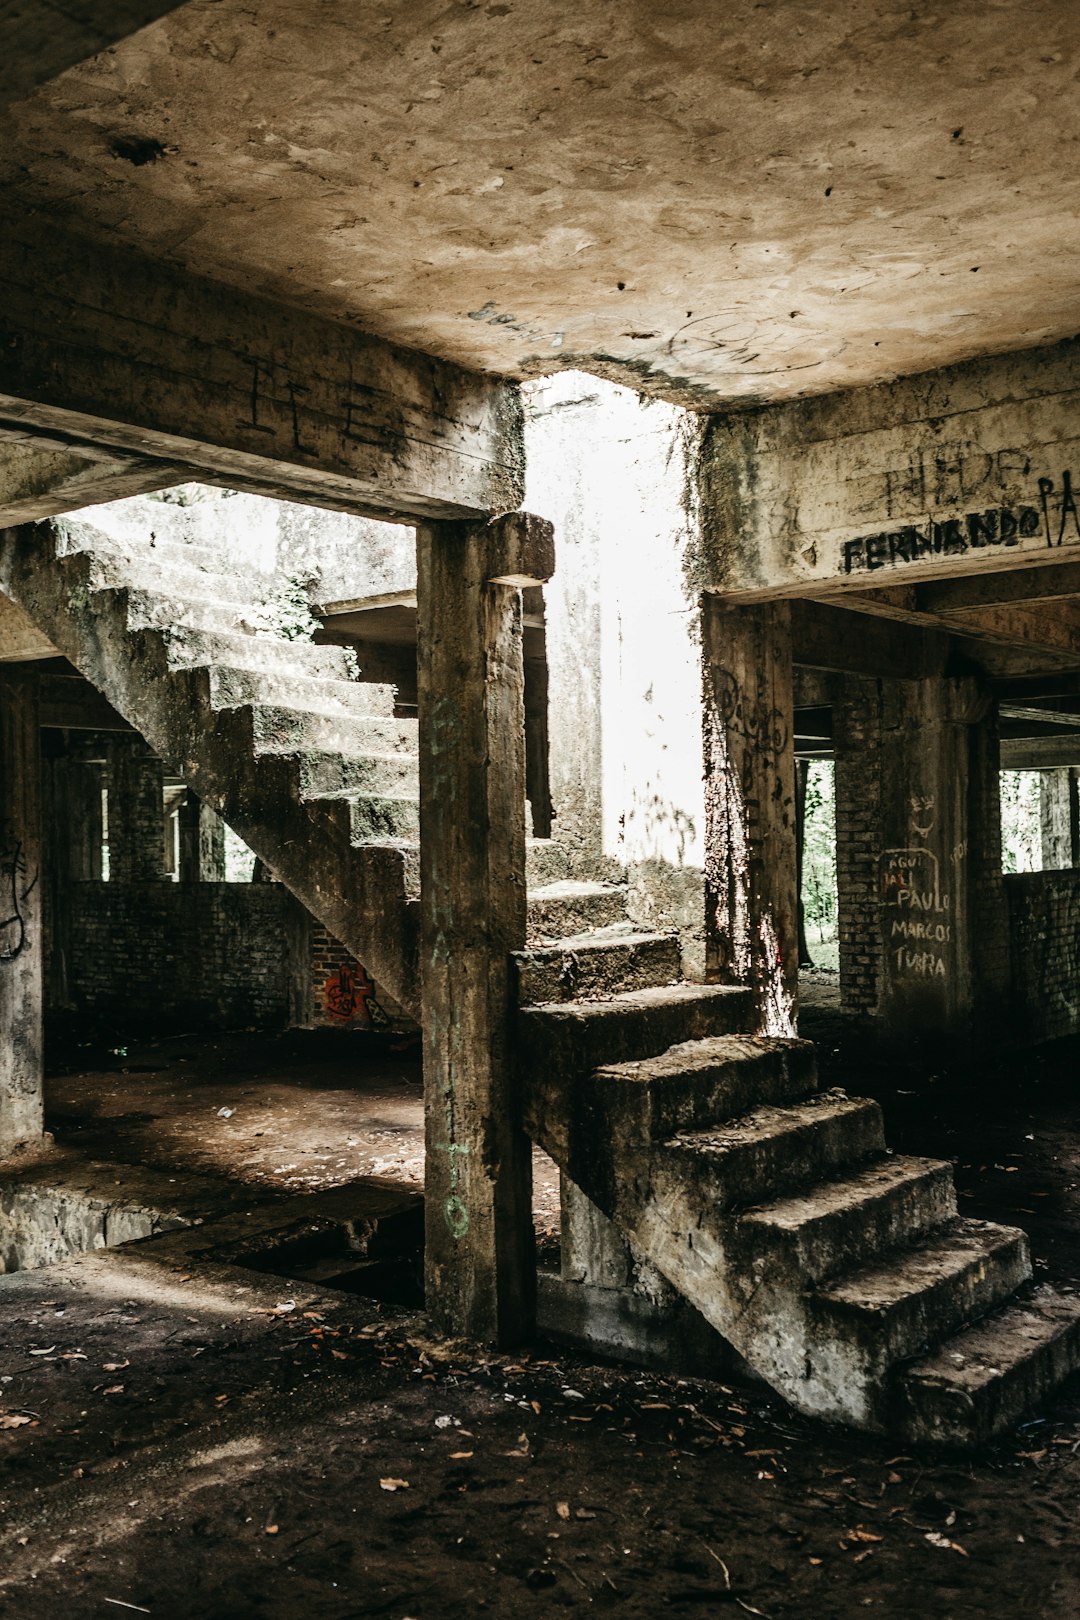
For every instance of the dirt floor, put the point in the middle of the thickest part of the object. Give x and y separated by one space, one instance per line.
203 1441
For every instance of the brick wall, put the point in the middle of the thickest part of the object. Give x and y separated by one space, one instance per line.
169 955
857 733
1044 939
342 994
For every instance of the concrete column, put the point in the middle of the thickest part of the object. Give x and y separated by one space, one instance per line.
202 842
751 893
919 861
136 812
480 1265
21 1091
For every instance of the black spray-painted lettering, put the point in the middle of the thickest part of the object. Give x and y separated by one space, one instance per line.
16 885
1058 520
999 526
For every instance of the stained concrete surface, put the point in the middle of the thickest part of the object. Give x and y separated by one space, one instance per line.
287 1113
716 205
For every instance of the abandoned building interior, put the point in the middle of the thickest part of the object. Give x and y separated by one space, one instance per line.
539 580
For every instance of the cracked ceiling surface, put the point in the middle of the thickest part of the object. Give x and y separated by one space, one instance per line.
721 204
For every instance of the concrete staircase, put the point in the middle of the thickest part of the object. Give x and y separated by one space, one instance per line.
841 1273
306 762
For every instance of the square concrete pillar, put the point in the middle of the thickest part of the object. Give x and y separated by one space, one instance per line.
923 942
479 1260
751 885
202 842
21 1059
1059 818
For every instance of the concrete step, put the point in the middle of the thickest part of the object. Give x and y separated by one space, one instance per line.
564 1041
374 775
546 861
171 574
836 1225
773 1148
983 1380
229 687
916 1296
698 1083
152 609
277 728
558 910
85 540
184 648
602 962
378 818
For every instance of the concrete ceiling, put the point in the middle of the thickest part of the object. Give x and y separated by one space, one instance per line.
719 203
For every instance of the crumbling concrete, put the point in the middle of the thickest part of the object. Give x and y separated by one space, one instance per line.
21 962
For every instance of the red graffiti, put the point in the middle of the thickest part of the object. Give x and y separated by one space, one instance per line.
349 992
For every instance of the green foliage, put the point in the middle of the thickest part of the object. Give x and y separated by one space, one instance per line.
287 613
819 851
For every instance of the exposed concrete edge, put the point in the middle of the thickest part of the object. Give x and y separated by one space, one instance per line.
625 1326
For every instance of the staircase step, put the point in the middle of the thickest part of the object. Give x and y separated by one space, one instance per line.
374 775
698 1083
546 861
983 1380
77 538
168 573
229 687
557 910
839 1224
184 648
601 962
917 1296
563 1041
746 1159
159 610
378 819
284 729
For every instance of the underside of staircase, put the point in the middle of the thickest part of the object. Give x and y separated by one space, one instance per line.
841 1273
306 762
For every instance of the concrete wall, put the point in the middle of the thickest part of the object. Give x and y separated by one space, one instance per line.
1044 941
174 956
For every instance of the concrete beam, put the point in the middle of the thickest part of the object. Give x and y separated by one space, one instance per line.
1039 753
1052 582
104 348
40 39
37 483
1049 628
851 643
968 469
